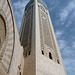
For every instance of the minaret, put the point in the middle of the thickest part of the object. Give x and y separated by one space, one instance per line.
41 52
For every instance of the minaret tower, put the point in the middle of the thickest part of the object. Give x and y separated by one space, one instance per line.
41 52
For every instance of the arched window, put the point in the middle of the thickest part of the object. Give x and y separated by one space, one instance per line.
42 52
50 55
58 61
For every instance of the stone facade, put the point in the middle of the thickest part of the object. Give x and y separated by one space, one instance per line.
38 53
43 56
11 52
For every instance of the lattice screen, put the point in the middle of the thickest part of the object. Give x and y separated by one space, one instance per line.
47 39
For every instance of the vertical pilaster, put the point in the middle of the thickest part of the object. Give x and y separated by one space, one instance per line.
37 30
37 36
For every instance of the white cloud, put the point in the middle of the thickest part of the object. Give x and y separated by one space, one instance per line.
64 13
19 7
63 16
73 44
62 44
69 23
68 54
70 66
58 34
67 51
52 4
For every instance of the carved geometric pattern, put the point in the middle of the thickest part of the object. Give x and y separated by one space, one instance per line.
27 28
46 36
7 48
44 29
27 33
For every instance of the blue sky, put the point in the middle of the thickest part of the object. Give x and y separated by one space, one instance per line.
62 14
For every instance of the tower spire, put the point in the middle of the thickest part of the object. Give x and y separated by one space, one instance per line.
39 42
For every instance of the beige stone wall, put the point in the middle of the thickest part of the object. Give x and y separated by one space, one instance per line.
29 60
44 65
36 63
11 51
